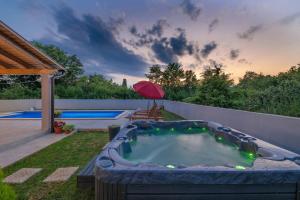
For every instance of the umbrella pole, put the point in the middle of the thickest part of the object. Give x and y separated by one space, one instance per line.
148 105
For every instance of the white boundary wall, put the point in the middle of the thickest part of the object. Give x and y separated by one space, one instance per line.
280 130
26 104
276 129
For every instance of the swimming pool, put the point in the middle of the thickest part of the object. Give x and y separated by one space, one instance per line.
66 114
194 160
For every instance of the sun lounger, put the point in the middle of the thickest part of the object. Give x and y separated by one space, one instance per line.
152 114
144 112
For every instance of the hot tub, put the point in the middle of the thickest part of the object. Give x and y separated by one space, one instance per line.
193 160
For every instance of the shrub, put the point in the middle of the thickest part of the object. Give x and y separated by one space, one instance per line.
57 113
68 127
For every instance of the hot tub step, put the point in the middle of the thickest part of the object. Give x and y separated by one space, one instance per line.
86 177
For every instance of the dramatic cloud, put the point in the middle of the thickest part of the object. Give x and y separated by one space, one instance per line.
208 48
234 53
95 42
169 49
250 32
115 23
190 9
289 19
213 25
180 45
156 31
143 38
133 30
163 52
165 49
158 28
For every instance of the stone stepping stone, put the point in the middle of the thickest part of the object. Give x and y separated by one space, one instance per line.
61 174
21 175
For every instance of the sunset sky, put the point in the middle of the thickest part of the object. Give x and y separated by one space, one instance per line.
122 38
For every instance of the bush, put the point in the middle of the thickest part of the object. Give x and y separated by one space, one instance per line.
19 91
68 127
6 192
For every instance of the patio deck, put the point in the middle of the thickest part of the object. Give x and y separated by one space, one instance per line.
15 132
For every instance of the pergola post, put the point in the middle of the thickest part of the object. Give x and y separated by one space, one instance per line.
47 103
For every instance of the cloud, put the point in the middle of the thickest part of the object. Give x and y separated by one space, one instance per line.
164 49
208 48
168 50
158 28
180 45
32 6
93 39
290 19
133 30
213 25
143 38
244 61
115 23
146 38
193 66
190 9
234 53
163 52
250 32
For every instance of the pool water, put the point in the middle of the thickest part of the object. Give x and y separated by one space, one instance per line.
82 114
171 148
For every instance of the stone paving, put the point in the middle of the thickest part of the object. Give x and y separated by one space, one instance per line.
21 175
13 131
13 155
61 174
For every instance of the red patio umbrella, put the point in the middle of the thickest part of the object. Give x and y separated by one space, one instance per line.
149 90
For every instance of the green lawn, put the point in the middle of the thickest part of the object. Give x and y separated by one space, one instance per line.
75 150
168 116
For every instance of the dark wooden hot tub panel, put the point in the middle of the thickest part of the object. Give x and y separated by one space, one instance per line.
106 191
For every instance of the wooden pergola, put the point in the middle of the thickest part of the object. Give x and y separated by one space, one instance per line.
20 57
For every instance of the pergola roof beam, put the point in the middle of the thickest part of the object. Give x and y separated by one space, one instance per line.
19 55
12 42
4 71
5 61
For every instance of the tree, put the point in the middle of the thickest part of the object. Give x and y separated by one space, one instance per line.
255 81
71 63
215 87
4 81
177 83
190 80
155 74
94 87
173 75
19 91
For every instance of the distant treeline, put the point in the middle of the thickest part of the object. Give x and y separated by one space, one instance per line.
255 92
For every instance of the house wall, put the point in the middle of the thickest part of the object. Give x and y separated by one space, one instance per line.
279 130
